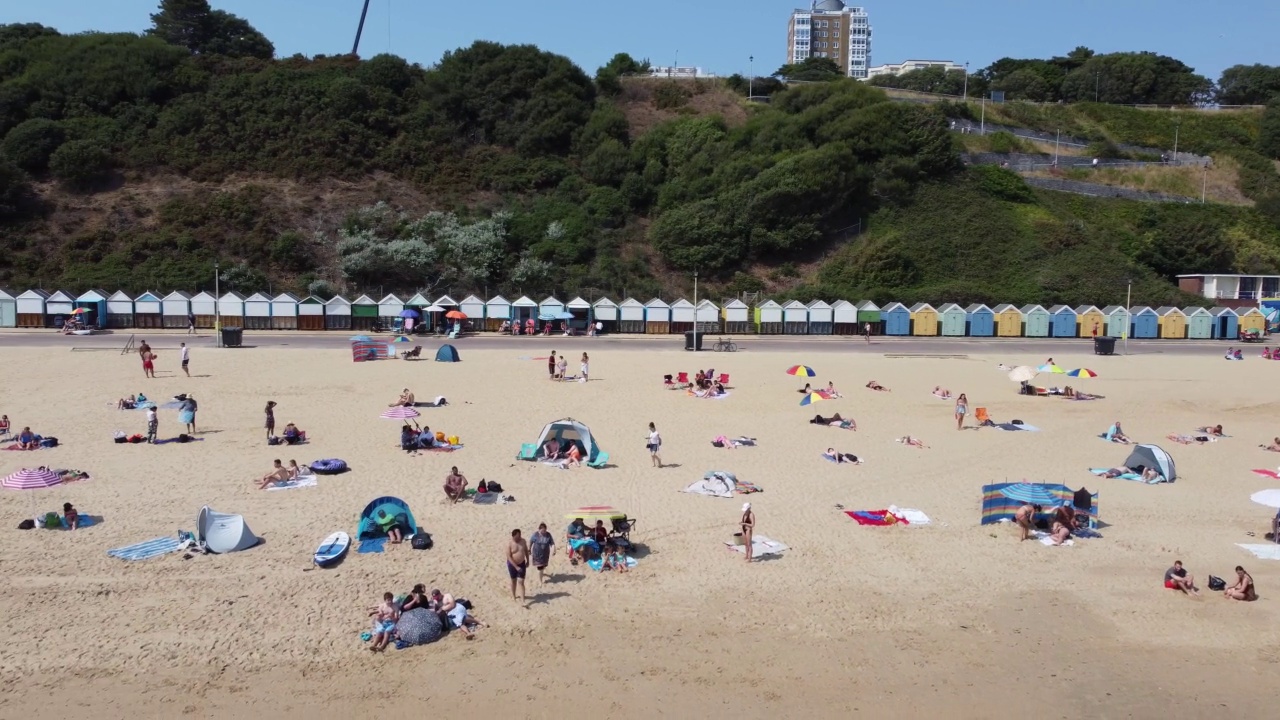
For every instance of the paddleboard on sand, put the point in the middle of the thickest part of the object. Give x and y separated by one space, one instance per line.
332 548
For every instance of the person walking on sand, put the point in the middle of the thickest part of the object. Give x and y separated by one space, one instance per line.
191 323
748 524
1025 518
866 332
962 408
187 414
655 446
585 362
186 358
542 546
517 562
551 366
270 418
153 423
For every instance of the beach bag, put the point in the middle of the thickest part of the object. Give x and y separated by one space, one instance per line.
453 440
120 437
27 524
494 487
1217 584
49 442
273 440
422 541
440 437
464 603
52 521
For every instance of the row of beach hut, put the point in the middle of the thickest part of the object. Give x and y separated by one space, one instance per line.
259 311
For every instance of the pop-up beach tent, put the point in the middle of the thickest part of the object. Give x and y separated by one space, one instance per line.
568 430
390 506
223 533
1152 456
447 353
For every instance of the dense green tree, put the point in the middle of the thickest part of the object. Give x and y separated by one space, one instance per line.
80 163
1248 84
811 69
30 144
1269 131
930 80
1136 78
15 190
194 25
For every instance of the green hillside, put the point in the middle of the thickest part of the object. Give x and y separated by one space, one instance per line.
129 161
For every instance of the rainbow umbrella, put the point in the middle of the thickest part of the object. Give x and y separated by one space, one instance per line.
79 311
401 338
1082 373
399 412
596 512
813 397
802 371
1054 369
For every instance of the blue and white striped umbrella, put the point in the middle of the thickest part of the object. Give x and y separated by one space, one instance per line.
1030 493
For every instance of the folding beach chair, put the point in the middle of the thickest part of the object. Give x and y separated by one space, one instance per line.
601 459
681 380
528 451
984 420
723 379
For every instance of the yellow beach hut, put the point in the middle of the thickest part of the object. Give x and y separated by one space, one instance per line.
1092 322
1252 319
1173 323
924 320
1008 321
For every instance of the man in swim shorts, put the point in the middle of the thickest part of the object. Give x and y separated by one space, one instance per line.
517 562
1177 578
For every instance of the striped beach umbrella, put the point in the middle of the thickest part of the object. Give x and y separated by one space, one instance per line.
1082 373
1051 369
813 397
1030 493
596 512
801 370
32 479
399 412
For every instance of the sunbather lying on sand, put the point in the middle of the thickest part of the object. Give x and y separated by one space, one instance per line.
127 403
1212 430
278 474
838 457
941 392
806 389
877 386
731 443
912 442
1273 447
835 421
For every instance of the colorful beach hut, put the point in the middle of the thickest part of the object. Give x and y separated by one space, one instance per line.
631 316
1118 321
473 308
230 309
29 308
1035 321
390 307
364 313
311 313
174 308
1063 321
120 310
953 321
1145 322
844 315
795 318
869 312
581 311
1172 323
446 302
497 310
337 313
768 317
524 309
605 312
8 309
147 311
203 305
1008 321
1251 319
896 318
657 317
707 316
981 320
94 302
1092 322
1199 323
1226 323
550 307
681 316
924 320
821 318
58 307
284 312
737 318
257 312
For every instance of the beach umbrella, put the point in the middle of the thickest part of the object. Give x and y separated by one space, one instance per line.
401 338
813 397
1030 493
419 626
32 480
1269 498
596 512
399 413
1082 373
456 315
435 308
409 313
79 311
1023 373
801 370
1052 369
360 338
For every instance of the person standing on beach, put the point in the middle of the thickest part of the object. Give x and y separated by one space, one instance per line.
143 348
187 414
585 362
517 562
186 358
866 332
149 364
962 408
542 546
551 366
655 445
748 524
271 418
153 423
191 323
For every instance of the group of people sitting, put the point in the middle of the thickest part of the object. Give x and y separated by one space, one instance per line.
414 438
281 474
1233 354
1063 523
26 439
569 452
1268 355
530 327
454 614
828 392
133 402
1177 578
588 543
705 384
1208 433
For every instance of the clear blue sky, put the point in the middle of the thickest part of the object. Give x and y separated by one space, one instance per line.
719 37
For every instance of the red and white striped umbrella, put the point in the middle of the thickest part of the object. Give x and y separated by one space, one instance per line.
400 413
26 479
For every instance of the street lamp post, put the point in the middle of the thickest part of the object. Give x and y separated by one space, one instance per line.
1176 128
1097 77
1128 318
751 81
217 306
695 311
1056 141
1204 184
982 124
966 80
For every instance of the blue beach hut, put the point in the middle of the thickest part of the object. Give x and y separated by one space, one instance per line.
1226 323
1146 322
1063 321
1035 321
981 320
897 319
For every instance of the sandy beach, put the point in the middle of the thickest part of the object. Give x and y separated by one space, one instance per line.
953 617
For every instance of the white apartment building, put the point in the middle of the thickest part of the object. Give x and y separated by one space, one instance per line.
832 30
907 66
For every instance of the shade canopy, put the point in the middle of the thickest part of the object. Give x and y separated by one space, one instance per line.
596 512
399 413
801 370
1030 493
26 479
1154 457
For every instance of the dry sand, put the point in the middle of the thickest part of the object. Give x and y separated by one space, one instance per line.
956 618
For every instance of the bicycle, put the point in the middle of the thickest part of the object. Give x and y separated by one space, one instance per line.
723 345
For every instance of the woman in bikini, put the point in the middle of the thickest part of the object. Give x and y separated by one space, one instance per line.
748 525
1242 589
270 413
877 386
962 409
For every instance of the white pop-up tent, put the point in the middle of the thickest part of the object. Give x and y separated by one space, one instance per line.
568 430
223 533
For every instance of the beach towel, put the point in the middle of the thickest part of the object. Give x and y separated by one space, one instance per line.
171 405
846 461
1013 427
298 482
597 564
146 550
910 516
442 448
760 546
174 440
746 488
1268 473
487 498
16 446
875 518
1046 539
1128 476
372 545
1086 533
1262 551
85 521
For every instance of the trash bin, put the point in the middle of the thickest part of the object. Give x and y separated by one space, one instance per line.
1104 346
232 336
693 341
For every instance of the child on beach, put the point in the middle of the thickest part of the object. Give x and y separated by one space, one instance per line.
585 363
153 424
384 622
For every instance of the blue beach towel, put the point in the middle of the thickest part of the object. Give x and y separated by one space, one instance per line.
1086 533
372 545
85 521
146 550
598 564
